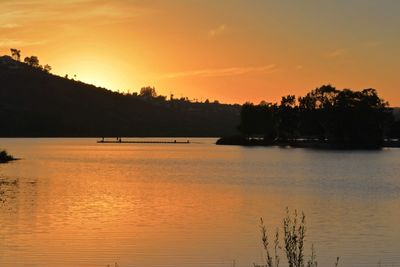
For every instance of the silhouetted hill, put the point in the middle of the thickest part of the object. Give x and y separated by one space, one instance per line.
34 103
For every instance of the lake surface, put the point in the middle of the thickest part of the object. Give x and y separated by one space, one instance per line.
73 202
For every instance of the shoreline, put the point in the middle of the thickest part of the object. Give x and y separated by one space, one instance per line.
305 143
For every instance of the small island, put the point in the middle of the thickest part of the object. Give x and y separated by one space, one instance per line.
324 118
5 157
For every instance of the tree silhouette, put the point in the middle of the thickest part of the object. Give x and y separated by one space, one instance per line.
340 118
148 92
32 61
47 68
288 118
259 120
16 54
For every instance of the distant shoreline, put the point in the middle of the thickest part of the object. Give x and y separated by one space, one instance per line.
110 137
301 143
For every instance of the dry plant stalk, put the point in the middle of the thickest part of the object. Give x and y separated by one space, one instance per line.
294 230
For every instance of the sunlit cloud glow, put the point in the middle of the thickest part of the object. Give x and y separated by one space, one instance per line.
221 72
48 10
218 31
210 47
9 26
373 43
336 53
9 43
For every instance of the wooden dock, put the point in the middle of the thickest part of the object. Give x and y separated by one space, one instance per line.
141 142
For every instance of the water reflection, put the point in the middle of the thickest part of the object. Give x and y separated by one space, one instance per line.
72 202
8 190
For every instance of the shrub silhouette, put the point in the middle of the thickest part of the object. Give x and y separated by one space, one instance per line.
294 233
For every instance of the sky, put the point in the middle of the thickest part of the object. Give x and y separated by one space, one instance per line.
229 50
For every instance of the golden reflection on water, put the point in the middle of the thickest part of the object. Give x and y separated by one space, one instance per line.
77 203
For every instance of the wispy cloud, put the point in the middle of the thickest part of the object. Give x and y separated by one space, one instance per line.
336 53
68 10
373 43
220 72
218 30
9 26
8 43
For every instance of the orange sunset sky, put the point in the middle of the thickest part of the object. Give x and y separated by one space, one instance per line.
233 51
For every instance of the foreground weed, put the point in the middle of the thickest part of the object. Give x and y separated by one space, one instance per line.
294 233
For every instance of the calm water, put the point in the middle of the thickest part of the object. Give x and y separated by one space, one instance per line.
72 202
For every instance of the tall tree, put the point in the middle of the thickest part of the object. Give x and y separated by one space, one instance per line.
288 118
16 54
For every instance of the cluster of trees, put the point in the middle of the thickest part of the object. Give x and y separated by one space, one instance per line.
149 94
32 61
343 118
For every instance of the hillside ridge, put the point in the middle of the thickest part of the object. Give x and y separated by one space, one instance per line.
35 103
